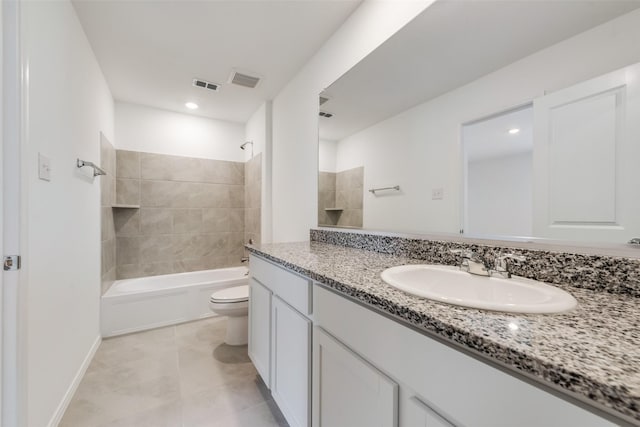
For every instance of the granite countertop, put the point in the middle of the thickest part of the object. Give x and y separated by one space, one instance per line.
592 351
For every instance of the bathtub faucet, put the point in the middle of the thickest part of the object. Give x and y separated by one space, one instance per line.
244 259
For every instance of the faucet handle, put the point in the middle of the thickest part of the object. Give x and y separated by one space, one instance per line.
502 265
464 253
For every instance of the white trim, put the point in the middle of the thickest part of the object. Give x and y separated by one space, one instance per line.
66 400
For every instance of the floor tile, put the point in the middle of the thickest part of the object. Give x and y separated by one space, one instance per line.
177 376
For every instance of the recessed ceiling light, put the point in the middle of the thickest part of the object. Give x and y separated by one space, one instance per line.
191 105
514 131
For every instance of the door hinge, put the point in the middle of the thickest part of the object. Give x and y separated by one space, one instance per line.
12 262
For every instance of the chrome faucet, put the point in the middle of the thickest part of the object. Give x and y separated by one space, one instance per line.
501 267
471 262
243 260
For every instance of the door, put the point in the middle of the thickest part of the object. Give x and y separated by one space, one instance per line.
347 390
260 329
291 362
11 126
585 143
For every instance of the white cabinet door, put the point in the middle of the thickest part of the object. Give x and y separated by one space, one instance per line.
585 152
348 391
418 414
290 363
260 329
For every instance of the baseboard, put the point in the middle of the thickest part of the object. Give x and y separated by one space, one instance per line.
62 407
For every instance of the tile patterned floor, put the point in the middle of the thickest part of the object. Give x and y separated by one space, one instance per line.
178 376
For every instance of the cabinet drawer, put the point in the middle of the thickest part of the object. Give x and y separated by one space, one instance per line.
295 290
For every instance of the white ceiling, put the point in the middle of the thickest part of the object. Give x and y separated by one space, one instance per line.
451 43
490 138
149 51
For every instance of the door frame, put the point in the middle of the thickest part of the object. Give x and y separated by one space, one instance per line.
464 214
13 126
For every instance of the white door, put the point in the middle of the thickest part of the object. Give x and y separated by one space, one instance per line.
347 390
11 130
586 152
291 363
260 329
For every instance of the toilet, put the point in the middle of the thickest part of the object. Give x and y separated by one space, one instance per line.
233 303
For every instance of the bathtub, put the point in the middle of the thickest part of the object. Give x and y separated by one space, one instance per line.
133 305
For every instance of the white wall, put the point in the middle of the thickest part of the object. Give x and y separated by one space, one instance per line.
295 111
327 155
500 196
69 103
141 128
425 153
258 130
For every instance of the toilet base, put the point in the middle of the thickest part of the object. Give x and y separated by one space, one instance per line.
237 330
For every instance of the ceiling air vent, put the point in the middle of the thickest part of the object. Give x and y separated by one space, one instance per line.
242 79
205 84
323 99
325 114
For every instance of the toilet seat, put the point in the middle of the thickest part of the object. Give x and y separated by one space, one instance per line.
237 294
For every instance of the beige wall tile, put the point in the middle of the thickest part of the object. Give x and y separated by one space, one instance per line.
127 222
196 264
128 271
187 169
127 191
107 229
236 196
161 193
107 280
355 198
187 220
127 250
224 172
236 219
156 166
215 219
127 164
156 221
192 213
156 268
327 181
235 245
156 248
108 256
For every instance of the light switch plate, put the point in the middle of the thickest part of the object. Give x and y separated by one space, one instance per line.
437 194
44 167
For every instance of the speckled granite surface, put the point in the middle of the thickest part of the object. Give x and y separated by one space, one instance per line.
611 274
593 351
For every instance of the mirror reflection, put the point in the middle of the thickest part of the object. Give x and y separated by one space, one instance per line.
472 120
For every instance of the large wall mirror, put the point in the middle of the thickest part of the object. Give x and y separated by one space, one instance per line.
497 119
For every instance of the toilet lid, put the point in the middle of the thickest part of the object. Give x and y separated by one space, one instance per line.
235 294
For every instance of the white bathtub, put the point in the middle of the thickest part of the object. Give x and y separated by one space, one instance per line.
149 302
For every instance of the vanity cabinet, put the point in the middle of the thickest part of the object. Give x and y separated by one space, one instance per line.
260 329
348 391
280 336
437 385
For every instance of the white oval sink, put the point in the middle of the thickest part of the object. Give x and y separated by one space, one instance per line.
450 285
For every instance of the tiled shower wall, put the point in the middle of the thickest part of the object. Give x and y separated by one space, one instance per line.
190 216
107 228
252 198
341 190
327 198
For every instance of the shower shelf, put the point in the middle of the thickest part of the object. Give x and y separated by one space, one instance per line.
333 209
125 206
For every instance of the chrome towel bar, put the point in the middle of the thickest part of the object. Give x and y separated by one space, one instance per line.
395 187
97 170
